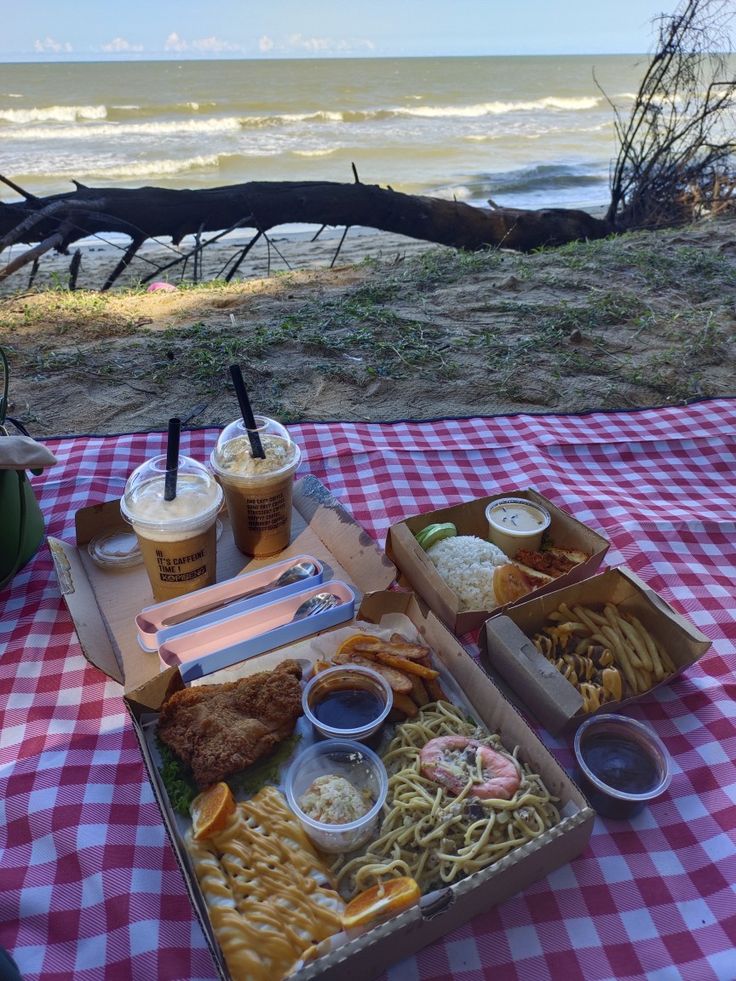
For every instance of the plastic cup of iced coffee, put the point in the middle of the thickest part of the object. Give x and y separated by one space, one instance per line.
177 538
258 490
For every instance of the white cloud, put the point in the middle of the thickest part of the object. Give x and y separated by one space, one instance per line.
175 43
315 45
214 45
202 45
50 44
121 44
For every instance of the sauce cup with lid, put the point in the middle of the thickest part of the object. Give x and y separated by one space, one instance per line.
338 760
347 701
515 523
622 765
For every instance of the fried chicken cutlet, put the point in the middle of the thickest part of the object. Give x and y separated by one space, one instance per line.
220 729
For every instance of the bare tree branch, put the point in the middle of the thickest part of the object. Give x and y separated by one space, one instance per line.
676 160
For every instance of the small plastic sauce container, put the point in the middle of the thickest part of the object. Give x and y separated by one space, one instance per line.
116 548
347 702
361 767
622 765
514 523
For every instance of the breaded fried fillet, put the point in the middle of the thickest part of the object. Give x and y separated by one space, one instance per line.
220 729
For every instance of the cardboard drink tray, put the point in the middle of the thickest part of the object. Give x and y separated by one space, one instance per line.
369 955
538 687
104 603
469 518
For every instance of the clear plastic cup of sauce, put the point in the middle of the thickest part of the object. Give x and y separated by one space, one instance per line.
622 765
347 702
337 789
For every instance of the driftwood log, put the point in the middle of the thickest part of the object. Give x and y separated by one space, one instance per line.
56 221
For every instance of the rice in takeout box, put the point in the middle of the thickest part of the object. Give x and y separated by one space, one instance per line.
466 563
507 647
421 574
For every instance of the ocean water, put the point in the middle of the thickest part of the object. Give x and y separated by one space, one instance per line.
526 131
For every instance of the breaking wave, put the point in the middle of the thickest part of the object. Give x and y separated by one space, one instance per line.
108 129
153 168
53 114
130 120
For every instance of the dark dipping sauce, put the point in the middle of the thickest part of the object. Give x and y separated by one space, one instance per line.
620 763
348 708
623 764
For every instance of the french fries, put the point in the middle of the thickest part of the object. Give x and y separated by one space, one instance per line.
640 658
408 667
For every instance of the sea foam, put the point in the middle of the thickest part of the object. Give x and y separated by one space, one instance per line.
107 129
53 114
476 110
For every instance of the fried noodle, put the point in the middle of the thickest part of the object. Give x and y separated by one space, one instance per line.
436 837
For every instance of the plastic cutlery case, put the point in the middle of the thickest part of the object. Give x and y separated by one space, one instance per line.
208 606
236 638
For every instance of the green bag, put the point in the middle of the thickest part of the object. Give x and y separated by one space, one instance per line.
21 521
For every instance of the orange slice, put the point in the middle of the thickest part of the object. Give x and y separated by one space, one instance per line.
510 583
349 644
380 901
211 810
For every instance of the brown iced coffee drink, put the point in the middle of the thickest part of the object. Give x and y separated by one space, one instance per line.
177 538
258 491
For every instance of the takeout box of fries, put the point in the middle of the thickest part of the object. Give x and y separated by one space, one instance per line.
593 646
469 518
366 954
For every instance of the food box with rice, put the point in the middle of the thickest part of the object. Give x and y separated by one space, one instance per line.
447 558
593 646
464 769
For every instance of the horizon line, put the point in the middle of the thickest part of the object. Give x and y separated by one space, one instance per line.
96 58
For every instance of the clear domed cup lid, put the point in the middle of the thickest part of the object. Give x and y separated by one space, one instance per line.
233 457
197 501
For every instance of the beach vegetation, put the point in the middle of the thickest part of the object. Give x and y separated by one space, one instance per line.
676 145
645 318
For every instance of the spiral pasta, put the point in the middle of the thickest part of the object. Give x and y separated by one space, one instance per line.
268 894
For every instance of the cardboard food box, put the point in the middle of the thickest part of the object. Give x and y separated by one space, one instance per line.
469 518
538 687
368 955
104 603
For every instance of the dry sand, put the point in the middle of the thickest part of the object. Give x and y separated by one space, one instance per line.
398 329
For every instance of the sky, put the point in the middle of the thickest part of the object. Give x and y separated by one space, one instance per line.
76 30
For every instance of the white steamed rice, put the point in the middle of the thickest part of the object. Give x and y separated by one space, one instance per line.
466 563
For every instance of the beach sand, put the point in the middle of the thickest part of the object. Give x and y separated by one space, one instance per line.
416 331
274 254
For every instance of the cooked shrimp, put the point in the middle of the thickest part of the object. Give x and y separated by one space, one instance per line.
454 760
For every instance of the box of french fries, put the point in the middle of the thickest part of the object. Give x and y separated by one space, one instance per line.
593 646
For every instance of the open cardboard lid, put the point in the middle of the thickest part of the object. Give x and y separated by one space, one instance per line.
103 604
537 685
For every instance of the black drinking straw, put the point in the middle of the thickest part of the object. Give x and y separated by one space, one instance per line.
248 418
172 459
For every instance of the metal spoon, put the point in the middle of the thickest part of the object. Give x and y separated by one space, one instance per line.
295 573
319 603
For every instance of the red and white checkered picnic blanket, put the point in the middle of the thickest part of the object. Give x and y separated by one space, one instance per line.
89 888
